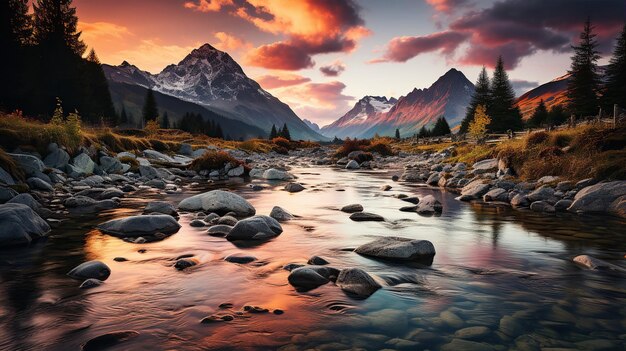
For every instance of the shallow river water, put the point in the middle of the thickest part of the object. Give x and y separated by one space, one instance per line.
509 271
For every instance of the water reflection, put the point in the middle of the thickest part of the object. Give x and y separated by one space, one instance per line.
491 263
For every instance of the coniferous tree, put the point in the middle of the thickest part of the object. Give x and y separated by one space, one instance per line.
284 132
583 85
540 116
165 121
218 132
557 115
441 127
423 133
273 132
615 86
150 112
96 98
481 96
502 110
55 26
397 134
15 34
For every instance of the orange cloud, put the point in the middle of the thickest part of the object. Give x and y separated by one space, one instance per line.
280 55
99 31
273 82
207 5
228 42
151 55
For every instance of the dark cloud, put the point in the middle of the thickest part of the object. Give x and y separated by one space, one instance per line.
280 55
333 70
447 6
521 86
515 29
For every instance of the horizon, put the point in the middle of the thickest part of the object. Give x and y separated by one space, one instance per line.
321 57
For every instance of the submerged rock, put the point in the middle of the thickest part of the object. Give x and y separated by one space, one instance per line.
255 228
136 226
310 277
19 225
90 283
366 217
108 340
218 201
90 270
280 214
239 258
428 204
219 230
595 263
356 281
397 248
352 208
294 187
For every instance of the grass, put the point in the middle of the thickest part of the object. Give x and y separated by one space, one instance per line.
213 160
378 145
8 164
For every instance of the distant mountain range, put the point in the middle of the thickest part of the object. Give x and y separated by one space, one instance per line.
449 96
210 80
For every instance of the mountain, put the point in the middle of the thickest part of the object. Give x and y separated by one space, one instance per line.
314 126
360 118
132 96
212 79
552 93
449 96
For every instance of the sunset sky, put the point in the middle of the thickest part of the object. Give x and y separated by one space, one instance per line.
322 56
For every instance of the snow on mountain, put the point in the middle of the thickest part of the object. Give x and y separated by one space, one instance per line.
211 78
358 119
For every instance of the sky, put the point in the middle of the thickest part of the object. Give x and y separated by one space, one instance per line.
321 56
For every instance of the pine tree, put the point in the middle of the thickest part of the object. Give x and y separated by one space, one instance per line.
540 116
55 26
481 96
397 134
441 127
165 121
150 111
557 115
96 98
615 86
423 133
273 132
284 132
15 33
218 132
583 85
504 114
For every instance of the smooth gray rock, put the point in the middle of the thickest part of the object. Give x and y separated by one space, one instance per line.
280 214
87 204
111 164
475 190
240 258
185 149
542 206
26 199
366 217
135 226
275 174
255 228
397 248
294 187
218 201
541 194
520 200
428 204
84 163
497 194
352 208
101 193
306 278
485 165
155 155
317 261
6 178
57 158
599 198
19 225
356 281
6 194
160 207
352 164
90 283
236 172
91 270
30 164
227 220
563 205
149 172
219 230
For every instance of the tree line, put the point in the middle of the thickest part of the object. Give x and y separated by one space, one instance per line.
280 133
43 60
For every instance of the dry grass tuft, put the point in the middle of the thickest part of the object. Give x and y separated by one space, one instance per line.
8 164
213 160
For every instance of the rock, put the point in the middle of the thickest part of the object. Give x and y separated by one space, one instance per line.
547 179
275 174
156 183
473 333
352 164
155 155
255 228
485 165
26 199
519 201
585 183
317 261
101 193
160 207
149 172
541 194
219 230
451 319
197 223
111 164
29 164
356 281
135 226
599 198
218 201
398 249
412 199
562 205
280 214
466 345
236 172
542 206
6 178
428 204
57 158
185 149
433 179
497 194
511 326
565 186
186 262
474 190
83 164
239 258
385 187
90 283
227 220
106 341
408 209
366 217
310 277
90 270
294 187
395 177
352 208
87 204
7 194
595 263
19 225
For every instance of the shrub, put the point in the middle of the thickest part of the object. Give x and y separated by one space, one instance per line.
380 146
551 151
158 145
152 127
350 145
478 126
280 150
212 160
536 138
9 139
282 142
560 139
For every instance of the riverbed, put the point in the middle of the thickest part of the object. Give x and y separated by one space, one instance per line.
507 275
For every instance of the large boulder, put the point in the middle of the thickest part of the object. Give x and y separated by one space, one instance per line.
218 201
275 174
155 155
310 277
111 164
6 194
19 225
135 226
474 190
26 199
255 228
38 184
428 204
57 157
357 282
160 207
485 165
29 163
6 178
398 249
352 165
600 198
280 214
83 164
90 270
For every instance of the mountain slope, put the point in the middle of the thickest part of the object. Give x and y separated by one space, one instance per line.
132 97
211 78
359 118
553 93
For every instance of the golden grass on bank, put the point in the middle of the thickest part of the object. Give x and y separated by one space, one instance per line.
212 160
